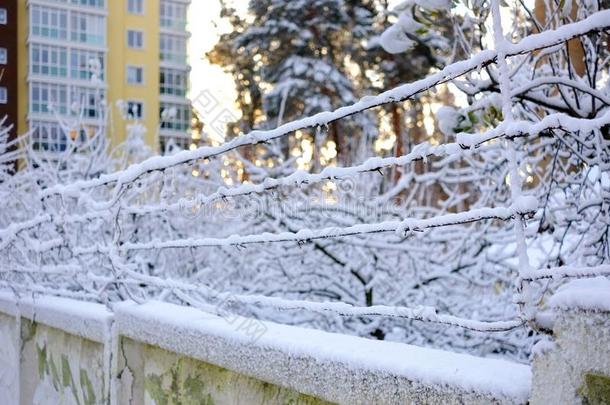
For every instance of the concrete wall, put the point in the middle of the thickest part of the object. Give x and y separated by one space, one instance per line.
53 352
9 359
150 375
66 352
60 368
60 351
574 366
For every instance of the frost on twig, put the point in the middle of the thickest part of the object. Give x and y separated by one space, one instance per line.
513 192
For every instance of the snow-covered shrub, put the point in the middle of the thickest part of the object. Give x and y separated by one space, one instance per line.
372 247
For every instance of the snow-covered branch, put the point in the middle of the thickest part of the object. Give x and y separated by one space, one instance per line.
598 21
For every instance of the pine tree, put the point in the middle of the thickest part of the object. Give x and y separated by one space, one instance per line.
294 60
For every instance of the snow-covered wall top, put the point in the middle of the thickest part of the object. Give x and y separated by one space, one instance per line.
327 366
589 294
86 319
331 366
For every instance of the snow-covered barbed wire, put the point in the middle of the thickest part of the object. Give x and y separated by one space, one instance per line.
597 21
427 239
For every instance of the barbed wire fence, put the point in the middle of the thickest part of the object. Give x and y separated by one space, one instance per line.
50 253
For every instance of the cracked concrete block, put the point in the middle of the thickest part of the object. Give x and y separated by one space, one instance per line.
60 368
151 375
580 348
9 359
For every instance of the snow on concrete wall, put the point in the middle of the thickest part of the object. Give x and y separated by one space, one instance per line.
574 368
163 353
333 367
151 375
9 358
52 351
60 368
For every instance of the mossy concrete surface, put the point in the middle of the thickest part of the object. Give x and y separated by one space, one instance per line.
59 368
597 389
156 376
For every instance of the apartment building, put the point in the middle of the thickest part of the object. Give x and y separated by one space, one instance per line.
175 108
103 63
8 64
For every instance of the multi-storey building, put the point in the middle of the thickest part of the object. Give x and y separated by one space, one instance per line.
79 58
62 69
8 65
174 73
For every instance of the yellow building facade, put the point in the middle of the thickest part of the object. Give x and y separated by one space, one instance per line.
121 23
91 64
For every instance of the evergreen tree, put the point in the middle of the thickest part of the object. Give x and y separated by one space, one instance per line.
295 59
291 59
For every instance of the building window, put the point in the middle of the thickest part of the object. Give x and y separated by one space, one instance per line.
3 95
172 49
87 28
90 3
84 64
47 98
135 6
173 15
171 143
86 102
3 16
49 22
135 39
175 117
173 82
48 136
3 56
135 110
135 75
49 60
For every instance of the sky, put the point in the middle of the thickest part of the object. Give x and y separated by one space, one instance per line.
206 27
